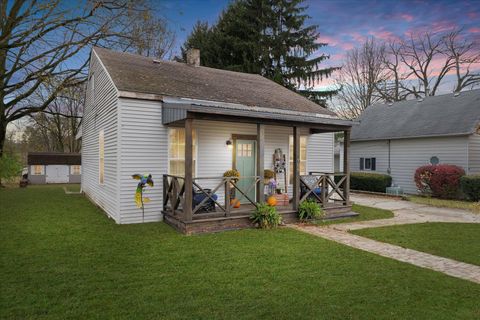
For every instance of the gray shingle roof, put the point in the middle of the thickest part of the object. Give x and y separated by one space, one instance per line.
140 74
442 115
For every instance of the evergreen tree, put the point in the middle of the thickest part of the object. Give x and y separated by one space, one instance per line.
267 37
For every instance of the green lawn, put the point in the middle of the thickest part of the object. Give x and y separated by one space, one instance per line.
365 213
445 203
459 241
61 258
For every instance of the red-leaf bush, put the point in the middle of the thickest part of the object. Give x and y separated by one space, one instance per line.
442 180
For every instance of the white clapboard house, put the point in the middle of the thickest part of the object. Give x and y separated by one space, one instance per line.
398 138
186 125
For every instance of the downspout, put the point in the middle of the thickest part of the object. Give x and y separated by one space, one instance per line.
389 169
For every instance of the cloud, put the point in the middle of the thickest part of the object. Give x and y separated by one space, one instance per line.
472 15
406 17
384 35
331 41
474 30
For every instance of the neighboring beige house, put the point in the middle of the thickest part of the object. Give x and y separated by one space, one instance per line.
157 117
398 138
54 167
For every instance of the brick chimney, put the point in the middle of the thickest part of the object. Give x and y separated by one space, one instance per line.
193 57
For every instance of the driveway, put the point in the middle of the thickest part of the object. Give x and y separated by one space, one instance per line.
405 212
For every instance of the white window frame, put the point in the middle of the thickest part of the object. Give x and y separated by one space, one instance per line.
365 162
290 157
72 169
101 157
92 87
195 146
33 171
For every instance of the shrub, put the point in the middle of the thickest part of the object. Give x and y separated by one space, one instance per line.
375 182
442 180
10 167
309 209
470 186
266 216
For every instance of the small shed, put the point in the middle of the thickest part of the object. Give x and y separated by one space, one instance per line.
54 167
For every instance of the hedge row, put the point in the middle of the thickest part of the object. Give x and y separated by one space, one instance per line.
470 186
374 182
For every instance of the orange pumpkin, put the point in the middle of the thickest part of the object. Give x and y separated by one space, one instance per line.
272 201
235 203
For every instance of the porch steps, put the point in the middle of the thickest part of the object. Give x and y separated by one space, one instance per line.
337 212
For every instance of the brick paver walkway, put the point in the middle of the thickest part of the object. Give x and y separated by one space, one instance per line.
448 266
405 212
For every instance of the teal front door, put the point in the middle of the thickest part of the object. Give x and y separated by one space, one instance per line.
245 164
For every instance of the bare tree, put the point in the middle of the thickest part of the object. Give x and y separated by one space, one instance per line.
359 78
464 53
418 53
412 67
392 88
45 40
149 35
430 57
59 124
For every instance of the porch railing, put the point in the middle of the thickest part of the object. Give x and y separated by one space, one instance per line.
174 193
333 188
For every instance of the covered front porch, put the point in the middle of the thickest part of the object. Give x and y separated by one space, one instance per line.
201 200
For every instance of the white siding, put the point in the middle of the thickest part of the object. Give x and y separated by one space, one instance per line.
320 152
409 154
100 114
369 149
214 158
144 150
474 154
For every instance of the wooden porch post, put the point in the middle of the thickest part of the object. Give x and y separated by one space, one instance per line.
187 206
260 160
346 165
296 168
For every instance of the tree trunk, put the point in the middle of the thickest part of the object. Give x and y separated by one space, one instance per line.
3 132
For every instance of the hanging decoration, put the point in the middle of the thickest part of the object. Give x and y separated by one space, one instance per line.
139 199
280 168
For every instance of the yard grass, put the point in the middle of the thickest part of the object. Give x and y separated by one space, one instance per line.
458 241
444 203
61 258
365 213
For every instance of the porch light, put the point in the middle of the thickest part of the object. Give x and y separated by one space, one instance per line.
229 144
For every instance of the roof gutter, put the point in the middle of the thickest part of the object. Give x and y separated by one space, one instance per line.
414 137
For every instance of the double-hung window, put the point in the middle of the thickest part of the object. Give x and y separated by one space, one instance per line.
37 170
101 157
75 169
176 152
303 157
368 164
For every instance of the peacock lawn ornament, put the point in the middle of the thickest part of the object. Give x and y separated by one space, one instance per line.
139 199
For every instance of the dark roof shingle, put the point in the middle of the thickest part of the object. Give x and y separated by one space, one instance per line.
48 158
443 115
135 73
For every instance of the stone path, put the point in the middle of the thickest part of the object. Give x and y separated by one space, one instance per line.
448 266
405 212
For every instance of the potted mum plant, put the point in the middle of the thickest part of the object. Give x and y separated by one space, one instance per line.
235 175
